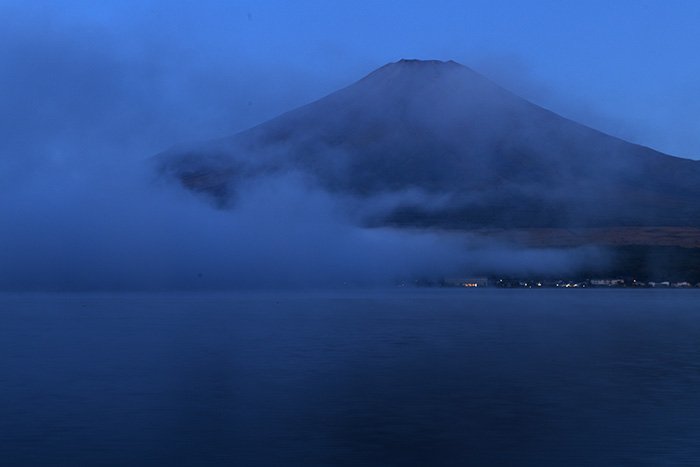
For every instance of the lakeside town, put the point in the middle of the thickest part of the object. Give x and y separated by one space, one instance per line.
512 283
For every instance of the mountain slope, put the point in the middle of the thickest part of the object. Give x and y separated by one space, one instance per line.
479 156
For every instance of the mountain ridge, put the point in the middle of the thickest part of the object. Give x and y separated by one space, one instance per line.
441 128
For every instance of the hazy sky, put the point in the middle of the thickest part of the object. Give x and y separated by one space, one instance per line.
91 90
627 67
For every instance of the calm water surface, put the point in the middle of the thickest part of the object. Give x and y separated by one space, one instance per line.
401 377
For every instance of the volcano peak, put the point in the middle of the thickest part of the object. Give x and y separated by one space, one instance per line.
439 128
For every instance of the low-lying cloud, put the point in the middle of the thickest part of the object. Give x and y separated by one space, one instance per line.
107 232
83 209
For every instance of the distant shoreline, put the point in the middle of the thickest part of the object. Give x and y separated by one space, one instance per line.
518 283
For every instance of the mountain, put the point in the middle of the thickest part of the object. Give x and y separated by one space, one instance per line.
475 156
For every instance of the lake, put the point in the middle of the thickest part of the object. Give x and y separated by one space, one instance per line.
371 377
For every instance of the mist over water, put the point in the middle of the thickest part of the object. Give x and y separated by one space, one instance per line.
123 231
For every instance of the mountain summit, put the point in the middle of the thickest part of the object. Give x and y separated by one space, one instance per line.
440 129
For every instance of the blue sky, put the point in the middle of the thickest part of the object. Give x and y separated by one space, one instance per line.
629 68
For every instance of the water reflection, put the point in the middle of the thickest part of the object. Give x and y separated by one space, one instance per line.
362 378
